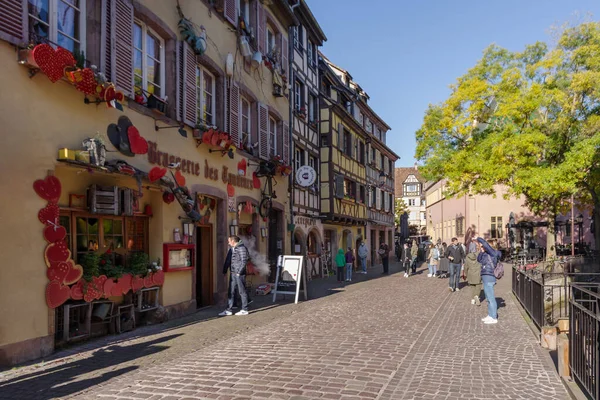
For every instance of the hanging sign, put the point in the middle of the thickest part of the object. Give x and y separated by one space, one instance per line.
231 204
306 176
289 278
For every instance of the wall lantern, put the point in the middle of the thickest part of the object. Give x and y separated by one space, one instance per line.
233 228
263 232
381 178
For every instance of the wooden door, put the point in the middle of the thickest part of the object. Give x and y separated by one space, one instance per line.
204 266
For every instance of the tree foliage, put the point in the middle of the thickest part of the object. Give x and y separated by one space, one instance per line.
529 120
400 208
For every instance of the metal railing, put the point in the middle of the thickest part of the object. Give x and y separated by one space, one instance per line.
584 337
545 295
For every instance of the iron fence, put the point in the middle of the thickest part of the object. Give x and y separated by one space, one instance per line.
529 291
584 337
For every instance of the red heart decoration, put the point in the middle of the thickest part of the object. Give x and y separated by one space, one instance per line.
125 283
52 62
95 288
54 234
75 273
255 181
206 136
86 81
148 282
180 179
56 253
116 290
58 272
168 197
77 290
158 278
119 96
56 294
137 143
108 287
137 283
49 214
156 173
48 188
230 190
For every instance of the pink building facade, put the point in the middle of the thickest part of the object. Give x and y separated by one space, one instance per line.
508 222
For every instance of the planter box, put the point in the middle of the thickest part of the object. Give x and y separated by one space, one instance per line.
156 104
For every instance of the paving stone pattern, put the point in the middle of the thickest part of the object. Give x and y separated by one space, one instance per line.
384 338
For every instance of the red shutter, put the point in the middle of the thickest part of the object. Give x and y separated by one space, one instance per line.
230 11
122 51
13 21
234 113
186 85
261 27
263 130
284 53
286 143
106 53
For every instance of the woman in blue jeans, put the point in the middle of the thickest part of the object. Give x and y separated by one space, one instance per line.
488 257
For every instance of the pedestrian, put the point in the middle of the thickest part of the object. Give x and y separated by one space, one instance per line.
384 253
414 254
432 261
473 245
443 264
398 251
340 262
488 257
473 275
349 264
406 259
362 255
239 260
456 256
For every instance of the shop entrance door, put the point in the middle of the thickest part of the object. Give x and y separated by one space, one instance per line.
204 266
275 241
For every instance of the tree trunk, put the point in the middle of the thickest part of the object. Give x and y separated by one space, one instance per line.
596 226
550 238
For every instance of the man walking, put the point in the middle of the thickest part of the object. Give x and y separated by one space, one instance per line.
384 253
239 259
362 255
456 256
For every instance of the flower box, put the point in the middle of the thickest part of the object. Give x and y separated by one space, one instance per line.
157 104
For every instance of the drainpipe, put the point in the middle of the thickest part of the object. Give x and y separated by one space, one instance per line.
291 130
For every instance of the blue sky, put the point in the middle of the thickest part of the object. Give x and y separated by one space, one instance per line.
405 53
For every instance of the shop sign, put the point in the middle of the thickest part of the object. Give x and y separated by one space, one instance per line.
190 167
305 221
306 176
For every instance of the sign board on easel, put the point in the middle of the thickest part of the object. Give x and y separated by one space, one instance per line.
290 278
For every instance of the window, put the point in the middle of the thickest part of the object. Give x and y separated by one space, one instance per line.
383 133
299 160
349 189
411 188
373 154
298 95
361 153
324 140
390 166
361 197
368 125
412 202
311 54
460 226
383 194
246 123
378 133
58 21
423 202
313 108
373 197
361 119
205 83
326 87
312 161
496 228
148 57
244 7
298 37
272 137
382 162
270 40
347 143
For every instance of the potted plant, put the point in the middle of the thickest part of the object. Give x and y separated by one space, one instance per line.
90 262
138 263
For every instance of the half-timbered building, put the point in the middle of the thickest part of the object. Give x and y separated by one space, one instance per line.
306 38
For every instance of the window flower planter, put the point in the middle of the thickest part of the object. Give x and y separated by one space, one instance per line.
157 104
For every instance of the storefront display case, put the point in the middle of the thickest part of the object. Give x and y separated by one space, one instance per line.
179 257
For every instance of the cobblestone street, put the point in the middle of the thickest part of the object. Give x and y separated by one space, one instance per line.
382 337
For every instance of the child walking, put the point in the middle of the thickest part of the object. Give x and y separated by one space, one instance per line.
340 262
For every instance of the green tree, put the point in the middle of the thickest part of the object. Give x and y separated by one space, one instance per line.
528 120
400 208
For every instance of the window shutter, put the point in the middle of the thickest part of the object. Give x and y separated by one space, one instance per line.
234 113
284 53
286 143
13 21
263 130
230 11
186 84
340 136
122 46
339 186
261 27
378 199
106 47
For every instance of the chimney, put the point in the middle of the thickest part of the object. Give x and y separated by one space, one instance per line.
416 166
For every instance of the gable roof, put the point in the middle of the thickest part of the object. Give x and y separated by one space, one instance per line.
401 174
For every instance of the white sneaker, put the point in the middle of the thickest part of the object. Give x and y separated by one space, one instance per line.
457 290
429 275
477 301
473 301
491 321
406 275
225 313
242 312
486 318
450 289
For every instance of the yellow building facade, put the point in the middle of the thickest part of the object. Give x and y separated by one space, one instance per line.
174 94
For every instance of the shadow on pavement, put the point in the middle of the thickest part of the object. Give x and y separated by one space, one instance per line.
61 380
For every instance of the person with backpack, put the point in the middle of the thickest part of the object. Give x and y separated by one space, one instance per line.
488 258
340 262
432 261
